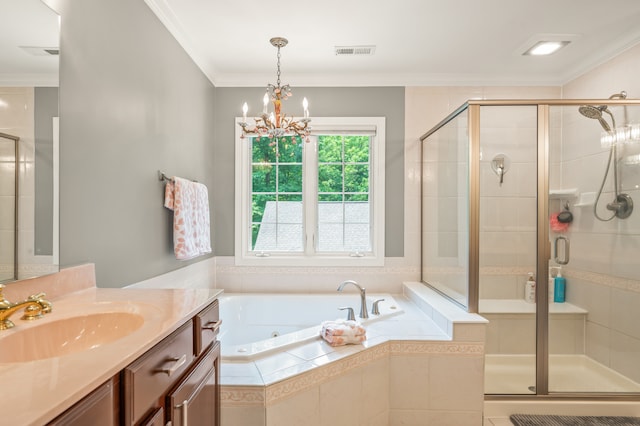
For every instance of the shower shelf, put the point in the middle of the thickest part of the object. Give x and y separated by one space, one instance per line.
519 306
586 199
563 194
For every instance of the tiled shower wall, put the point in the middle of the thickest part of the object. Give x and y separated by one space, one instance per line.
604 277
508 209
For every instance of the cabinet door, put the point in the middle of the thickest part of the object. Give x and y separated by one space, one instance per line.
194 402
99 408
157 419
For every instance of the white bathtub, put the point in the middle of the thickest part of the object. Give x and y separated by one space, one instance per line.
256 324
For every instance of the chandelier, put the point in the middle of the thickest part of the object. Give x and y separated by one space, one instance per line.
275 124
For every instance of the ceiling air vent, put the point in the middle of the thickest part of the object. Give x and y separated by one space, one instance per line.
355 50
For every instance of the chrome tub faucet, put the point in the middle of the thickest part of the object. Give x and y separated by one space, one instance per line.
363 297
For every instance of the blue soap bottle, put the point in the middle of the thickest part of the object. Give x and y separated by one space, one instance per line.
559 288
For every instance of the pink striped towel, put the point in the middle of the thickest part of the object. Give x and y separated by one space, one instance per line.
190 204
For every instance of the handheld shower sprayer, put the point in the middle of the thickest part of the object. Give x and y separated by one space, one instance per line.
622 205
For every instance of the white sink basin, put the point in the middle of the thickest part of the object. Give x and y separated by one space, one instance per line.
51 339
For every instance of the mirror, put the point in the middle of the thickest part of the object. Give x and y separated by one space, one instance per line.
29 39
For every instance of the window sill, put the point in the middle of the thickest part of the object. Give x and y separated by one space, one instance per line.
326 261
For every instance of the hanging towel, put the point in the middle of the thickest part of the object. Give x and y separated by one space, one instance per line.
190 204
341 332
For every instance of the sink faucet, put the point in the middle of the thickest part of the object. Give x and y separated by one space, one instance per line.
34 306
363 297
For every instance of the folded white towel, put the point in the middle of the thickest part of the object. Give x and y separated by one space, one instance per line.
343 332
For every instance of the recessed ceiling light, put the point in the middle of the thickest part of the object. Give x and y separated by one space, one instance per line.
546 47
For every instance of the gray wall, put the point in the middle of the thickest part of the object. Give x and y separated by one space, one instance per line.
131 102
323 102
45 108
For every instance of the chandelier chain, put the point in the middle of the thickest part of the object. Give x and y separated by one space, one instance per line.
278 82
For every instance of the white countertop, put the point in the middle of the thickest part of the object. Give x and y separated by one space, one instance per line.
38 391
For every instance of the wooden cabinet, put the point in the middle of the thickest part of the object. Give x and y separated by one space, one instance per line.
156 419
177 380
146 380
174 382
99 408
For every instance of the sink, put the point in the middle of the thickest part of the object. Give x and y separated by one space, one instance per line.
57 338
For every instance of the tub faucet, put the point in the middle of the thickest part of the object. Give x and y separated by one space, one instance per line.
363 297
34 306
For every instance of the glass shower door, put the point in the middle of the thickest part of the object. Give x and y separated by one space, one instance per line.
594 237
507 246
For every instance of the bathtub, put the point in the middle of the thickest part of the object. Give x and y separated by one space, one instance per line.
256 324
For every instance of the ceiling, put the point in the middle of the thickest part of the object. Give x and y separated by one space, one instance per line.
417 42
28 23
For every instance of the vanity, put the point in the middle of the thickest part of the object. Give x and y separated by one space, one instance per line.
113 356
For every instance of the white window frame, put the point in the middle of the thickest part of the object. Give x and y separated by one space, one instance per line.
243 178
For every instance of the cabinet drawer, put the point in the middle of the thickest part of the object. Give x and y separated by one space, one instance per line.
207 326
146 379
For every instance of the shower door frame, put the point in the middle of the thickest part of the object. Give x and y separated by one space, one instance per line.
543 249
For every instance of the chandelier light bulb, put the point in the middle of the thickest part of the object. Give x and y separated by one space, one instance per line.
245 108
305 107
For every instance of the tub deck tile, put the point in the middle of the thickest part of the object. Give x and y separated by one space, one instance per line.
312 350
276 362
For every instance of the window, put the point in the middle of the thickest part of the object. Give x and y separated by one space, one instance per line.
312 203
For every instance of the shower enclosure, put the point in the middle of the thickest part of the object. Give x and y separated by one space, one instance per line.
8 207
544 188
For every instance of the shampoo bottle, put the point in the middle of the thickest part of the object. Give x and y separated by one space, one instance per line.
559 287
530 289
553 271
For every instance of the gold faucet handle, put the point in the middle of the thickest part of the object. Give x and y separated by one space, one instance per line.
3 302
37 296
32 312
44 303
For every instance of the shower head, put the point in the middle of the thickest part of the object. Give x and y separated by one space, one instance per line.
595 112
591 111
